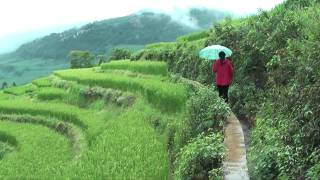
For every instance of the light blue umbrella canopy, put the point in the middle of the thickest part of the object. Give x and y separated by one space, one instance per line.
212 52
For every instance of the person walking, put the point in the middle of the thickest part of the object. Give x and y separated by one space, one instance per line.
223 69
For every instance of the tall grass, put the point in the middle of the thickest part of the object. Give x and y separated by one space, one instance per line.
7 138
24 106
145 67
128 149
43 82
193 36
51 93
123 142
42 152
20 90
75 136
164 95
161 45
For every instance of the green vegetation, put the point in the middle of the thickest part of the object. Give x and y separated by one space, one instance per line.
42 151
202 151
101 37
7 143
163 45
61 111
120 53
20 90
21 70
43 56
123 120
276 85
165 95
193 36
80 59
144 67
50 93
42 82
170 126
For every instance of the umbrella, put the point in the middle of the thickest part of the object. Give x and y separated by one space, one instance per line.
212 52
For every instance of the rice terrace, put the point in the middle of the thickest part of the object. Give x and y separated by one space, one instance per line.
116 121
189 93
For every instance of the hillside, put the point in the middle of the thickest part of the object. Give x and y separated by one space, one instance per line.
43 55
276 87
122 120
101 36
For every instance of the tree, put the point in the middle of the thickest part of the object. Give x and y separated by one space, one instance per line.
4 85
102 59
120 53
80 59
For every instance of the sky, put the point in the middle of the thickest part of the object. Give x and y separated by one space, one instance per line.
20 16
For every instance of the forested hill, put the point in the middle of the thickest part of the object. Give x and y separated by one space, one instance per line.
128 31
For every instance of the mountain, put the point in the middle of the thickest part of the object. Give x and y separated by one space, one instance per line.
11 42
42 56
101 36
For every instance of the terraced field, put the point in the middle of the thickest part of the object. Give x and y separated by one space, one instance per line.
122 120
98 123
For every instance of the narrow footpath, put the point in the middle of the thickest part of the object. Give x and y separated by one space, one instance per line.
235 165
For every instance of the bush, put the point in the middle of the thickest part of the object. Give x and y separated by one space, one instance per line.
80 59
206 110
201 155
314 172
245 100
120 53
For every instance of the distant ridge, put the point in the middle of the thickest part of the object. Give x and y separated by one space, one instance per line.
133 31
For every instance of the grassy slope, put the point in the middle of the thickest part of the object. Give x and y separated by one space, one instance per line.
131 147
40 153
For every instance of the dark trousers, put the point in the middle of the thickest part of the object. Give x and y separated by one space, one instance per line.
223 92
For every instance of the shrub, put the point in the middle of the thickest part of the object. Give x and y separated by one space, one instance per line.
206 110
201 155
80 59
120 53
314 172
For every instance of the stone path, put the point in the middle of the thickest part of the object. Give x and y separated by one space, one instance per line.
235 165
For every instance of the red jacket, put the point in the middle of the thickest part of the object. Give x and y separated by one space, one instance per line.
224 72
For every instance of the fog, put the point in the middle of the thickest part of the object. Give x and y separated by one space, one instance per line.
11 42
36 18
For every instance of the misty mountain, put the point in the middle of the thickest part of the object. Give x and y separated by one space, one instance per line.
11 42
134 30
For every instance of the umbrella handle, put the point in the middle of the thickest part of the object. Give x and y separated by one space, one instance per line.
212 73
